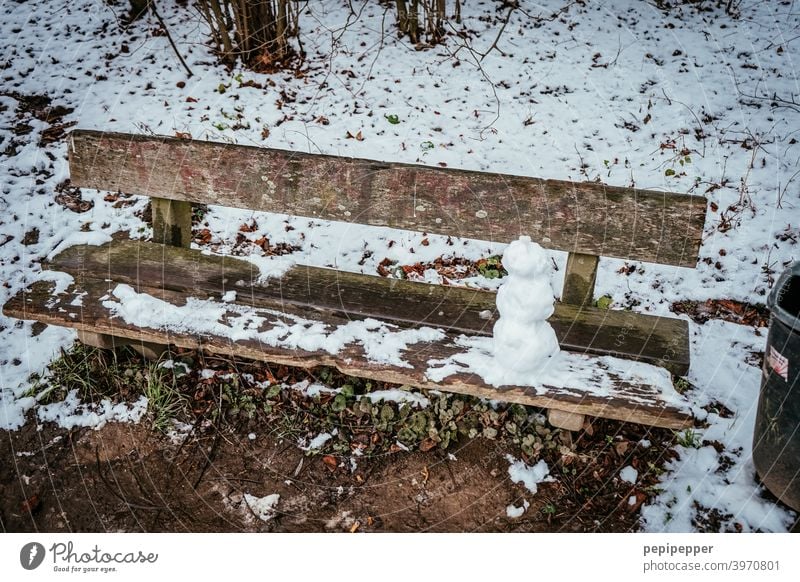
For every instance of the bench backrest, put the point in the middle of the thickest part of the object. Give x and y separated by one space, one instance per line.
587 220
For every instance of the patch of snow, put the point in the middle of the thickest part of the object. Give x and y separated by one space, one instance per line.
229 297
382 342
399 396
71 412
180 431
92 237
695 482
78 300
514 512
529 476
313 389
316 443
629 474
270 267
264 508
342 520
581 373
62 280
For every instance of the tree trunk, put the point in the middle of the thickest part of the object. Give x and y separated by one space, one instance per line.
402 16
138 9
255 31
413 22
224 32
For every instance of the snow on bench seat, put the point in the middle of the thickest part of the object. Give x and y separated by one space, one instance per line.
301 289
422 357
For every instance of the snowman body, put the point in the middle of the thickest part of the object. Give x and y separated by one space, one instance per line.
523 340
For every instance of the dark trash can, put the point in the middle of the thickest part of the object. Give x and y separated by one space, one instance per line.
776 442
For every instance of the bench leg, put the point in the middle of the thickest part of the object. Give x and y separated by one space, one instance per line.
579 279
100 340
172 222
147 350
565 420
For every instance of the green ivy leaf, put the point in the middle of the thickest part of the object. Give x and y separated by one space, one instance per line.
339 403
392 118
604 302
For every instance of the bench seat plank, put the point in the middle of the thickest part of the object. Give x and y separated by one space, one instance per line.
629 399
656 340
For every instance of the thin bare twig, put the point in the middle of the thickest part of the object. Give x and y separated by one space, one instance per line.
494 46
169 38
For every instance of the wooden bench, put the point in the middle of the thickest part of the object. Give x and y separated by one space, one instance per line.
587 220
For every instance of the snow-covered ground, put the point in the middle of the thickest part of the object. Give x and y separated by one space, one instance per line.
690 100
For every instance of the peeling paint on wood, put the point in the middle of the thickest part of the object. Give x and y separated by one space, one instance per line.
586 218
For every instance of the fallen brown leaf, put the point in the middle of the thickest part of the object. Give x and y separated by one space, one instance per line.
31 504
427 445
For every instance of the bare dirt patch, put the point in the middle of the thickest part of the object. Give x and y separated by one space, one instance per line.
126 477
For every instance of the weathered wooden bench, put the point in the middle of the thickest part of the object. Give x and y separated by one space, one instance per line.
587 220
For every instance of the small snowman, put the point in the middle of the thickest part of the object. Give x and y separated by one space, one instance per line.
523 339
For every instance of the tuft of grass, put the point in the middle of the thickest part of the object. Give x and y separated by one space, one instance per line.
682 385
164 400
95 373
116 375
689 439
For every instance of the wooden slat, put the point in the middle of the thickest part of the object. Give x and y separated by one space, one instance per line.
586 218
655 340
631 402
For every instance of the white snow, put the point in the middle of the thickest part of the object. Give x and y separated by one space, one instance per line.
207 373
71 412
696 478
228 297
629 474
399 396
62 280
94 237
566 370
382 342
514 512
681 100
523 339
529 476
314 389
316 443
270 267
264 508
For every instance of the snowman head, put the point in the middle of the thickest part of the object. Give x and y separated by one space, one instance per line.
524 258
